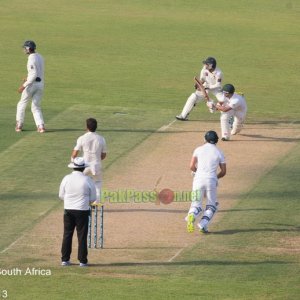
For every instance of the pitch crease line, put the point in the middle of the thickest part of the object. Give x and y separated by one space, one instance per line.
176 254
165 127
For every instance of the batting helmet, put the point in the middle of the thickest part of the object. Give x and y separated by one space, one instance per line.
211 62
29 45
228 88
211 137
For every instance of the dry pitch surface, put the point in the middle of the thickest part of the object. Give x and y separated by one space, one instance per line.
155 232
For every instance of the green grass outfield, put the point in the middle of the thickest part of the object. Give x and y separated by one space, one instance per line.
130 64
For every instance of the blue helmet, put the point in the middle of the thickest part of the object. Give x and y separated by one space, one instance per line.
29 45
211 62
211 137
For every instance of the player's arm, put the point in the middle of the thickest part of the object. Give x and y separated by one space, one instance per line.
223 108
193 164
74 154
104 149
222 172
61 193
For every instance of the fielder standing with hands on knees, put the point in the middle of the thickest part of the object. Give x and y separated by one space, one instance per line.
205 162
78 192
32 89
93 148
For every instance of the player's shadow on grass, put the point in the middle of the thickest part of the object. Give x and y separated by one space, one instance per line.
63 130
193 263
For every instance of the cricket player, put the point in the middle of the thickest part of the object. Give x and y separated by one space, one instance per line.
211 78
234 106
205 162
32 89
93 147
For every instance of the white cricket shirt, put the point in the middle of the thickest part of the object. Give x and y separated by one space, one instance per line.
77 191
239 105
35 68
208 157
92 145
213 79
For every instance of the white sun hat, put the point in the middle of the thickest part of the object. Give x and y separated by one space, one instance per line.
78 163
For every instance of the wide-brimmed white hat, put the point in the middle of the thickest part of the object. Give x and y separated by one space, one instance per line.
78 163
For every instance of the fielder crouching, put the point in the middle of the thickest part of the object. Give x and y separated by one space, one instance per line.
205 162
234 106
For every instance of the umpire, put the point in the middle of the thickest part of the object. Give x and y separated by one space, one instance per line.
77 191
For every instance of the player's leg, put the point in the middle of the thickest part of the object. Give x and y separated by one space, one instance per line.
237 125
98 185
69 227
225 125
211 206
82 224
37 110
21 107
196 206
192 100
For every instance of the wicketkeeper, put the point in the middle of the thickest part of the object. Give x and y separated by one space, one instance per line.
235 107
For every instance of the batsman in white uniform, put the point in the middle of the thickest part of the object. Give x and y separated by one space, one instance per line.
93 147
233 106
32 89
211 79
205 162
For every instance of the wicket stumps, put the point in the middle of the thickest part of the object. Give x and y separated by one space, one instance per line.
95 217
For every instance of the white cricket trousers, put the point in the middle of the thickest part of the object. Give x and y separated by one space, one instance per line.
204 188
197 97
97 178
32 92
237 125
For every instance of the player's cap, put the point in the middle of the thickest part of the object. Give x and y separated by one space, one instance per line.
78 163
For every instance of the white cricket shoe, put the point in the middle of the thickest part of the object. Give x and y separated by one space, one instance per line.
202 230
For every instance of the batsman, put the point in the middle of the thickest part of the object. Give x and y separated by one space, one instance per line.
209 82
